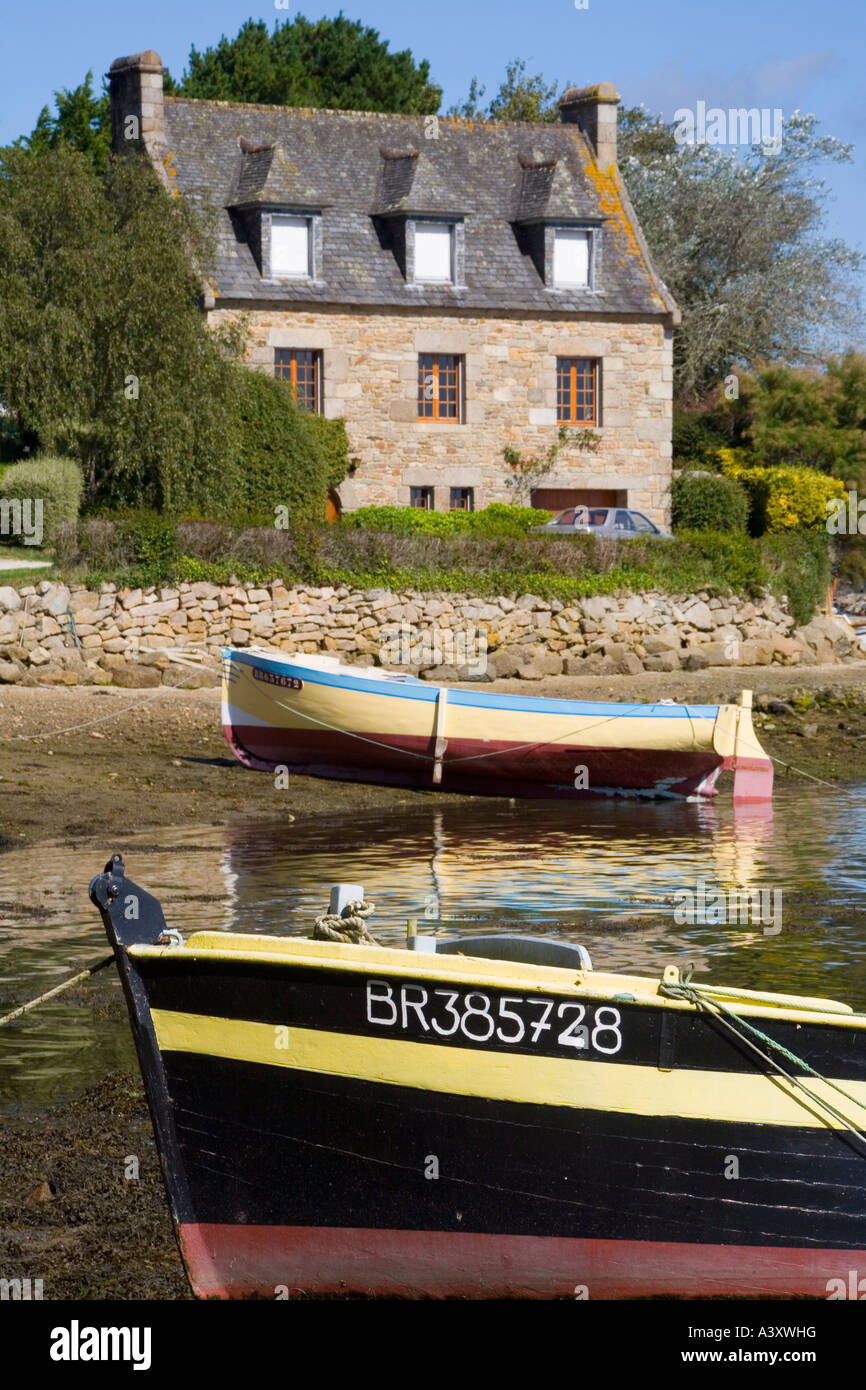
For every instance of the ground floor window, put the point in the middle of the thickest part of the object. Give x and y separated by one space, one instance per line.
421 497
462 499
302 369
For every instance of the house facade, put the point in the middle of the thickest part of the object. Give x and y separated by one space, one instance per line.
448 287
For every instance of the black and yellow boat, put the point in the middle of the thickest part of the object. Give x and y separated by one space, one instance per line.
490 1119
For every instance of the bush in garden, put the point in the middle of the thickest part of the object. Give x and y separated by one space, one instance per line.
782 499
499 519
282 456
708 502
56 482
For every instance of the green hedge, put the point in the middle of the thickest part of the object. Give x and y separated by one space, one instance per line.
283 456
708 502
499 519
799 564
55 483
133 552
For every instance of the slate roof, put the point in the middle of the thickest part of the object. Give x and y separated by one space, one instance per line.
266 176
548 192
411 184
357 167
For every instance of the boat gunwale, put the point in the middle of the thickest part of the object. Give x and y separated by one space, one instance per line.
386 683
640 991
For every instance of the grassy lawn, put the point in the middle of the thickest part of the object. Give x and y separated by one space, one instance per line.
13 572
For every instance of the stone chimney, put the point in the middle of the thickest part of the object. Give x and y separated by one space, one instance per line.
135 87
594 110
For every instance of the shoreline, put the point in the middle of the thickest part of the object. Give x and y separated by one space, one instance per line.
79 761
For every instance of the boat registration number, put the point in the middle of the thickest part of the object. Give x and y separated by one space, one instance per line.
277 678
513 1019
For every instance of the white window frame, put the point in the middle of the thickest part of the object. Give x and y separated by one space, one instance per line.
422 227
572 235
290 219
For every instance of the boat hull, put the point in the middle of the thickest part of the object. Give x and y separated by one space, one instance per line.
336 1118
528 1202
282 713
489 768
269 1261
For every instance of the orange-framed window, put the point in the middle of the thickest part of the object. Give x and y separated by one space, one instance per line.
462 499
301 368
577 390
439 386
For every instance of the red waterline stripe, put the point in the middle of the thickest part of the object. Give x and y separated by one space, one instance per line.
470 761
232 1261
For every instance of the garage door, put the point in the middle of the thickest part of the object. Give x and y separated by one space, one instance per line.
556 499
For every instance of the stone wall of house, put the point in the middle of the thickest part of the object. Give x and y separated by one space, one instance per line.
370 377
53 634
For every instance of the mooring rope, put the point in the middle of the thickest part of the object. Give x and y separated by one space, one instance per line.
470 757
349 927
58 989
789 767
729 1019
112 714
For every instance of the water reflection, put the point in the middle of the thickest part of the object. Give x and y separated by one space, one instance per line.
605 874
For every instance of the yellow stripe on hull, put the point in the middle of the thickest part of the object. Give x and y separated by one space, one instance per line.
520 1078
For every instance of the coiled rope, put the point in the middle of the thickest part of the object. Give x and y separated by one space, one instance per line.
349 927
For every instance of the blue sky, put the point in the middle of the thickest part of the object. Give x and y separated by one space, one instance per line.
667 54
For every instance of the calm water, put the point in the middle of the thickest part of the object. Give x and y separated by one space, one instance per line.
604 874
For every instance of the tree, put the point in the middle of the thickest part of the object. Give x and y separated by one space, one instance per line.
105 354
799 417
103 349
82 121
738 238
336 63
519 98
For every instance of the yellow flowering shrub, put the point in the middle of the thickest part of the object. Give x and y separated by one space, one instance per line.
781 498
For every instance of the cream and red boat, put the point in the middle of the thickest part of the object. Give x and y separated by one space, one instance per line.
312 715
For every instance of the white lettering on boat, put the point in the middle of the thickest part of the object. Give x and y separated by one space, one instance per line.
476 1016
277 678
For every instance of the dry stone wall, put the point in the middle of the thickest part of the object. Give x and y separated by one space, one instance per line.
54 634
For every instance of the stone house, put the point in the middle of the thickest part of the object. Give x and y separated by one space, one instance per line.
448 287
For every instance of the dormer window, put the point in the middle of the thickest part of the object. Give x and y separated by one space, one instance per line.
434 253
571 258
291 247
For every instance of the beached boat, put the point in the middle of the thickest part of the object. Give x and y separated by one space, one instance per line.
492 1118
313 715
